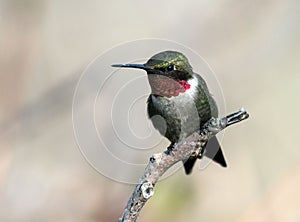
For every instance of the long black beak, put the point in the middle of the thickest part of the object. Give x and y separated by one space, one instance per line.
136 66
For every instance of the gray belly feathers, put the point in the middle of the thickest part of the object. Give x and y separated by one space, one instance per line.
180 116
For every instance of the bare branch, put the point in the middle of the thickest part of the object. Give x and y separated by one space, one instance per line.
159 163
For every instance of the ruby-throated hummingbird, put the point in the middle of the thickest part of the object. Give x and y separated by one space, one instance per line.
181 97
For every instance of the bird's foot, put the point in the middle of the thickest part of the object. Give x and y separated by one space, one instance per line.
170 148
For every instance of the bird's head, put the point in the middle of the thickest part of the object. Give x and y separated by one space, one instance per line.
168 73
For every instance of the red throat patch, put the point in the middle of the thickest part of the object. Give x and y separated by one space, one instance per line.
166 86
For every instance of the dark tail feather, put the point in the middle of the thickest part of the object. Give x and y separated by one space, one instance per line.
213 151
188 165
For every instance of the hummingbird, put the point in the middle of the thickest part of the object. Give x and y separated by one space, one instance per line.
182 99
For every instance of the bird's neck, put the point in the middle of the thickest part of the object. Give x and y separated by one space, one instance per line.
166 86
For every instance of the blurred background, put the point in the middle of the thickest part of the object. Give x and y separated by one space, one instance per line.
253 47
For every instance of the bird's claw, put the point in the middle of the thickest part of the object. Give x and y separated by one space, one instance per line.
170 149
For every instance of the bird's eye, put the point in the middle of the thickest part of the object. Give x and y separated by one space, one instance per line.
170 67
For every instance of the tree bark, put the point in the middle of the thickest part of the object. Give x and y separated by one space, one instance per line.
159 163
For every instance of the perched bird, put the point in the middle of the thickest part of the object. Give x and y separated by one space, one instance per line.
181 97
